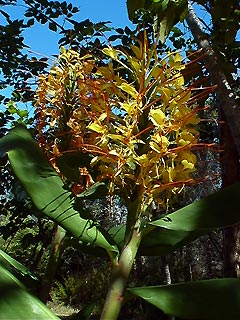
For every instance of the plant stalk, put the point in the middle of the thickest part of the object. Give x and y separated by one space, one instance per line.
53 262
120 275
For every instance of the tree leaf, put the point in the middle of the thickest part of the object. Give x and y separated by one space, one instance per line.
169 12
129 89
52 26
47 190
206 300
17 303
187 224
133 6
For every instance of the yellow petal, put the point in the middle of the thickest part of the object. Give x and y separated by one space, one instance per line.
96 127
157 117
129 89
137 51
110 52
187 165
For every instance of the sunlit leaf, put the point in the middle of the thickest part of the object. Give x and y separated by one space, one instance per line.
187 165
46 189
111 52
129 89
96 127
17 303
206 300
157 117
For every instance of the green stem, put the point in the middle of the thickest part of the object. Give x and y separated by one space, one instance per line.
53 262
121 271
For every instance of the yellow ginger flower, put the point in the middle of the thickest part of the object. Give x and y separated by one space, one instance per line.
139 134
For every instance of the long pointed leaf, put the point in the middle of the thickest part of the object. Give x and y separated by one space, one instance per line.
165 235
47 190
158 242
22 273
203 300
17 303
217 210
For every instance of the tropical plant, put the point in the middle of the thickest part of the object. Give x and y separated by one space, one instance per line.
217 38
132 136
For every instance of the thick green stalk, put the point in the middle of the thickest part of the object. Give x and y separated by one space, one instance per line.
121 271
53 262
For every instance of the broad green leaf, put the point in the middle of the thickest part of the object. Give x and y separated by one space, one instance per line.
17 303
22 273
206 300
47 190
169 12
165 235
187 224
158 242
215 211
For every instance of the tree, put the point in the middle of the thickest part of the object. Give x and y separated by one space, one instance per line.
221 67
221 52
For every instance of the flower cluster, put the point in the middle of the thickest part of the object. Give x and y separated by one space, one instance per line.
138 129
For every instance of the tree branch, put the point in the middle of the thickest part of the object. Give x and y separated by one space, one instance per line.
225 93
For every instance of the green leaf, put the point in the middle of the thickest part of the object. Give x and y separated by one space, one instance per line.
165 26
30 22
167 234
206 300
47 190
69 164
158 242
22 113
215 211
17 303
22 273
169 12
133 6
96 191
85 313
164 3
187 224
52 26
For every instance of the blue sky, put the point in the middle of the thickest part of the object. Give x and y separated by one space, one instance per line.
44 42
41 40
